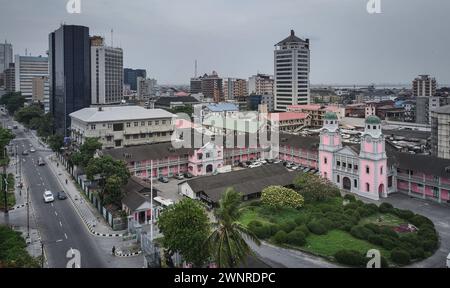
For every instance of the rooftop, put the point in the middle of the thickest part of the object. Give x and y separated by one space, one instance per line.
222 107
283 116
442 110
373 120
119 113
291 39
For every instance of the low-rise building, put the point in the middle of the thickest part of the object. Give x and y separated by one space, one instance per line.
119 126
317 112
290 121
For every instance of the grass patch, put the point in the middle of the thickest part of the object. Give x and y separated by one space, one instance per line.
327 245
12 250
267 215
379 219
11 198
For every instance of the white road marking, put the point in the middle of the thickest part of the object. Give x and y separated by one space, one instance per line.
65 235
60 224
60 240
52 204
56 213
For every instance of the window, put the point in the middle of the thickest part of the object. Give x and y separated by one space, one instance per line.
93 127
136 124
350 166
149 123
344 164
374 127
118 127
355 183
207 155
136 136
110 125
436 192
367 170
156 122
338 178
338 163
143 123
164 122
128 124
325 160
356 167
381 170
367 187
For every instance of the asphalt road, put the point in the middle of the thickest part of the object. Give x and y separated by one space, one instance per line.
59 224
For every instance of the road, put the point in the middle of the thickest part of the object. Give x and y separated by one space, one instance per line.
60 227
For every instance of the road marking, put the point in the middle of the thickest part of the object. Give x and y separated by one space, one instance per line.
60 224
60 240
65 235
56 213
52 204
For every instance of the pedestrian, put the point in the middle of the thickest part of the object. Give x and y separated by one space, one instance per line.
67 181
114 250
57 164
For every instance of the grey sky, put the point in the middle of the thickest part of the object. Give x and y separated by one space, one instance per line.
236 37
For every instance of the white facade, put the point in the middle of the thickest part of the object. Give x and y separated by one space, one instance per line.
292 67
119 126
146 88
106 75
27 68
260 84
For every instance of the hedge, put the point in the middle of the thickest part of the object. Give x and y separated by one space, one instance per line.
361 232
288 226
296 237
385 207
351 258
316 227
400 256
280 237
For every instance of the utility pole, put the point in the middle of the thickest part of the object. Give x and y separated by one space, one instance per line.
28 212
6 183
42 252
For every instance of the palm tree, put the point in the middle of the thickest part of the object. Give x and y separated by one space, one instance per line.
228 238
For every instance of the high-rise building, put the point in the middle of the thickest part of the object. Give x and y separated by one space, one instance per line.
40 88
234 88
260 84
6 56
440 132
146 88
212 87
10 78
106 73
424 86
196 85
291 62
70 74
130 77
27 68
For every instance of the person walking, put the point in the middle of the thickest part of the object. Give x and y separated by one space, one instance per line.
114 250
67 181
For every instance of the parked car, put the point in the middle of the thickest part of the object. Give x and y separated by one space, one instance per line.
306 170
289 165
277 161
188 175
48 197
256 164
32 150
62 195
295 167
270 161
178 176
163 179
262 161
41 162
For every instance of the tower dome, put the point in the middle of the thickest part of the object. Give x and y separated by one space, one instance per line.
373 120
330 122
330 116
373 126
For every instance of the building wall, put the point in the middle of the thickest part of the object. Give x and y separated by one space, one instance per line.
26 69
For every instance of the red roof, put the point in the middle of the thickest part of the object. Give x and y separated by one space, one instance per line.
283 116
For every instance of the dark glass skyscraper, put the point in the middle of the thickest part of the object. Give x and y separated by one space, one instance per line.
69 74
130 77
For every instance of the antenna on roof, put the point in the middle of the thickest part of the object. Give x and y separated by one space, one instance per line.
195 73
112 38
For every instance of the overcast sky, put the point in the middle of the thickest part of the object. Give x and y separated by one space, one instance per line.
236 37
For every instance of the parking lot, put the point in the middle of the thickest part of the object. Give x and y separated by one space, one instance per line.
169 190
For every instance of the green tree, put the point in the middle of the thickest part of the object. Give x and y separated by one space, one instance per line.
12 101
186 227
315 188
86 152
280 197
55 142
227 240
183 109
112 174
12 250
25 114
5 138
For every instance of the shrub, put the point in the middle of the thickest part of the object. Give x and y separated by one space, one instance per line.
417 253
361 232
281 197
301 219
254 224
296 238
350 197
429 245
411 238
327 223
388 232
400 256
350 257
419 221
385 208
288 226
303 229
404 214
316 227
280 237
376 239
388 243
363 212
351 206
373 227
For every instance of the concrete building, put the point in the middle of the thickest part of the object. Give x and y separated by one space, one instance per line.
260 84
70 74
146 88
10 78
196 85
292 67
212 87
6 56
41 92
26 69
440 132
317 112
290 121
106 73
234 88
130 77
424 86
120 126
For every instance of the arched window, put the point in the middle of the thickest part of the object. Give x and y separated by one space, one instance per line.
374 127
355 182
338 179
367 187
367 170
325 160
368 127
381 170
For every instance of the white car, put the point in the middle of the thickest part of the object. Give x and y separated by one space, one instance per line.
32 150
256 164
448 260
48 197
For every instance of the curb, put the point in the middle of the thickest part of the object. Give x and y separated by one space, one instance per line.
119 254
18 207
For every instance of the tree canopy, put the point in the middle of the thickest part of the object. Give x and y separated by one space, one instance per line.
5 138
13 101
315 188
55 142
281 197
186 227
86 152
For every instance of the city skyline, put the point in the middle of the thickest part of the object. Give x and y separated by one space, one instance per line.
345 38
